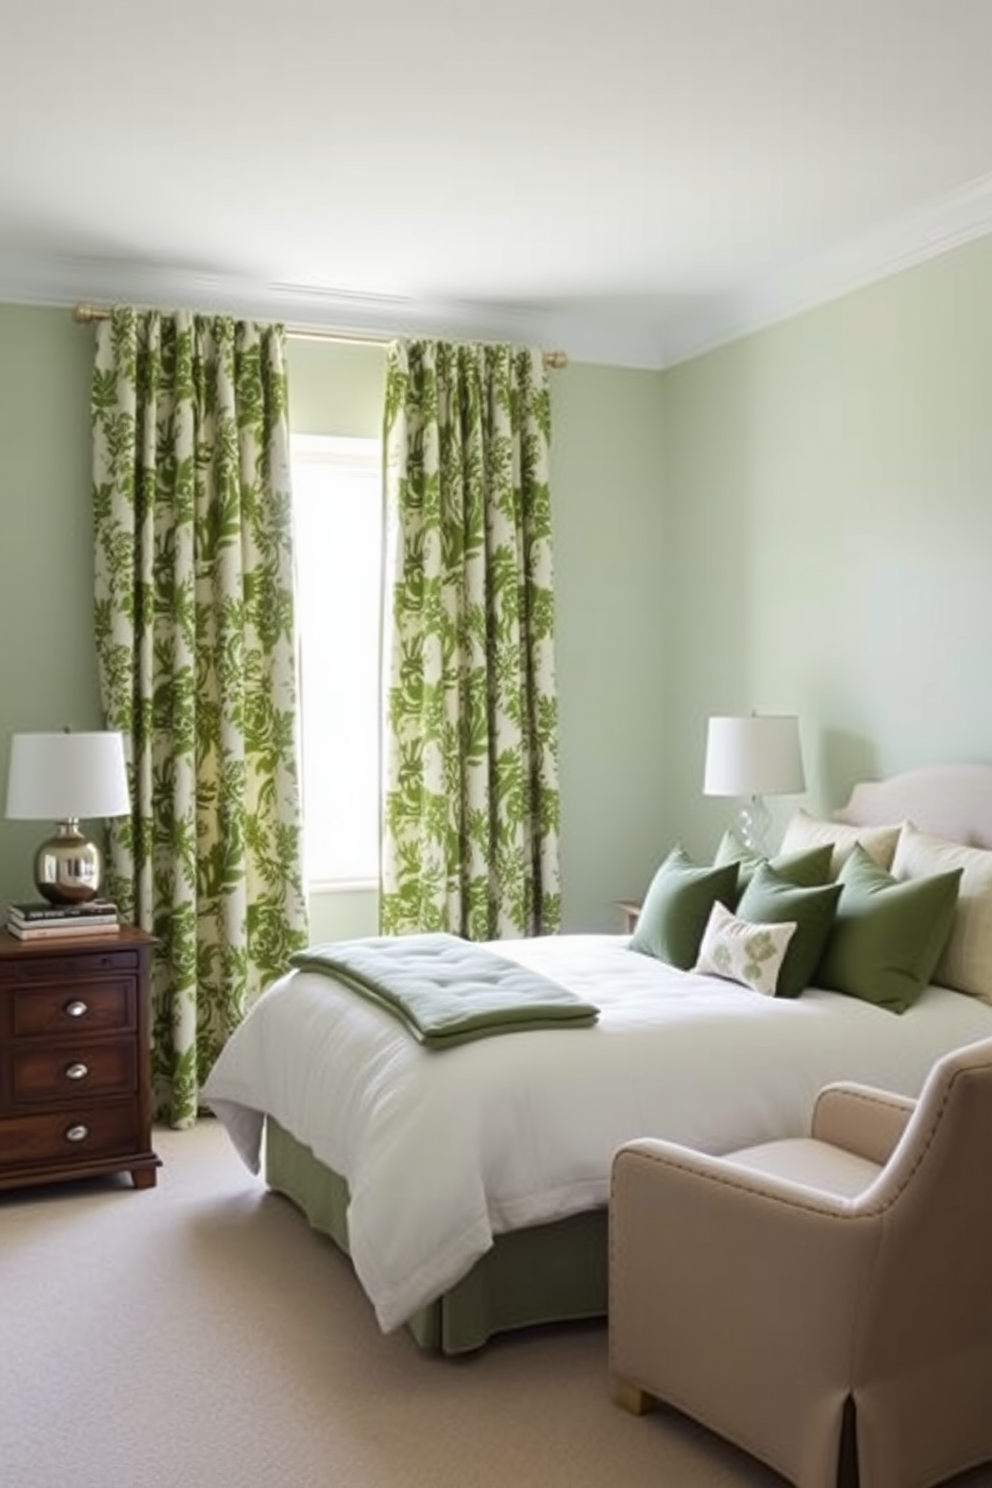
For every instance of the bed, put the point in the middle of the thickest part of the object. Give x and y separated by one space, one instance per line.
469 1186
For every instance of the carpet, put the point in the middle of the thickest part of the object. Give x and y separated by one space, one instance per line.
200 1335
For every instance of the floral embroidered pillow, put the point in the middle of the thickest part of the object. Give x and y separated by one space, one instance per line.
742 952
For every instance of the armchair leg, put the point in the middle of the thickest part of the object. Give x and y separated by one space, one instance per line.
630 1397
848 1475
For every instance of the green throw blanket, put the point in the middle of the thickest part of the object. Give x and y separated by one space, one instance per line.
446 990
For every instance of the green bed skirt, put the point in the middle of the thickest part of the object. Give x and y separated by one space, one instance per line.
547 1273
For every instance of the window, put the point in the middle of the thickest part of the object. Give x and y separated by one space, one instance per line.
337 511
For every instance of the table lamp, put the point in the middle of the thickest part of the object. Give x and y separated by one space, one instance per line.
754 757
66 778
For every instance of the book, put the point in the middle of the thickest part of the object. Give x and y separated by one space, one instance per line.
79 921
61 932
40 910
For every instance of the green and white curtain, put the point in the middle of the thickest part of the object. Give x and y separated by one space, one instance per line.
197 659
470 759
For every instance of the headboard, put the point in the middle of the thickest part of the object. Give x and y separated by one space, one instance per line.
952 801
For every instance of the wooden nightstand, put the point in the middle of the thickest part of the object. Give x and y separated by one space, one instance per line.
75 1097
629 909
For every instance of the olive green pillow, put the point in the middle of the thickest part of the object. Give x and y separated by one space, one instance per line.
888 933
806 868
677 907
771 899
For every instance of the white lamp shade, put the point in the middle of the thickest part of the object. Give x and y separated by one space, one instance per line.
57 777
755 756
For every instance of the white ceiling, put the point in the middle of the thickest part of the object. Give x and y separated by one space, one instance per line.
632 180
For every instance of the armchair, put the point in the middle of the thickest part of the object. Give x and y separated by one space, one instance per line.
824 1302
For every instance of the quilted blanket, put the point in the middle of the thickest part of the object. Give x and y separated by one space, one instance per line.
445 990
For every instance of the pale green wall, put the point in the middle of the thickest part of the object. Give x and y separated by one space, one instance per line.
47 662
829 506
610 536
607 514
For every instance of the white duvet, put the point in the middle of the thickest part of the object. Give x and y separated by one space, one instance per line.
443 1150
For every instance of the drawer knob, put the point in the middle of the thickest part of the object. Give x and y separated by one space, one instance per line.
77 1071
77 1133
76 1009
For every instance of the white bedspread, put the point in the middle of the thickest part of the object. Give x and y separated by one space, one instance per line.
442 1150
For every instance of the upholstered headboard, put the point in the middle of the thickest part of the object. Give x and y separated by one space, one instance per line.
953 801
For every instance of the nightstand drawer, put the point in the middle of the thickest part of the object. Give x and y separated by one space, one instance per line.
47 1071
73 1135
55 968
74 1007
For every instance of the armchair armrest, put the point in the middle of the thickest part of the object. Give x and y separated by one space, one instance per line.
861 1120
644 1160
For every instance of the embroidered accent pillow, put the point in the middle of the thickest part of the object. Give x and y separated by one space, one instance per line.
744 952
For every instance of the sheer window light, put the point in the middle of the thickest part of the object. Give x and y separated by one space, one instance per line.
337 510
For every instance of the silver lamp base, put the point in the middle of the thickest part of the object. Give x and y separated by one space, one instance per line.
67 868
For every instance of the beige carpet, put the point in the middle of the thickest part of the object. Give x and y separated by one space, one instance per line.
199 1335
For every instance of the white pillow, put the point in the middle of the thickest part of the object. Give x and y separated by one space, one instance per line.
742 952
966 961
805 831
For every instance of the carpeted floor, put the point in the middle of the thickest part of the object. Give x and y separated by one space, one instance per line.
199 1335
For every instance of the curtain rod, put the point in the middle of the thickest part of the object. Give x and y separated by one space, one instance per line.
88 314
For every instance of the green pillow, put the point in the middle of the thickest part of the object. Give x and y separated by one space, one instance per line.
889 933
677 906
806 868
769 899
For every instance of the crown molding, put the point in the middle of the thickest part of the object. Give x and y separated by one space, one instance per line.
945 224
585 336
628 337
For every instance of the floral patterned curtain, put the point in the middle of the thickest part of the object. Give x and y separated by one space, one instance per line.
196 651
470 811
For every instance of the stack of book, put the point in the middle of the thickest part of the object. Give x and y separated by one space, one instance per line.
40 920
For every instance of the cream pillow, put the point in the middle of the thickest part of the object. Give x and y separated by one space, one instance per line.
742 952
809 831
966 961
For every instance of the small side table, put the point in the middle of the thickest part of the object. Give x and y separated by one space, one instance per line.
629 909
75 1090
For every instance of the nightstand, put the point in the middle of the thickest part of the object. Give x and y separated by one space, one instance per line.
75 1094
629 909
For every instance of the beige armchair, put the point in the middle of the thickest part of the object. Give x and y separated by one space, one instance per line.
824 1302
